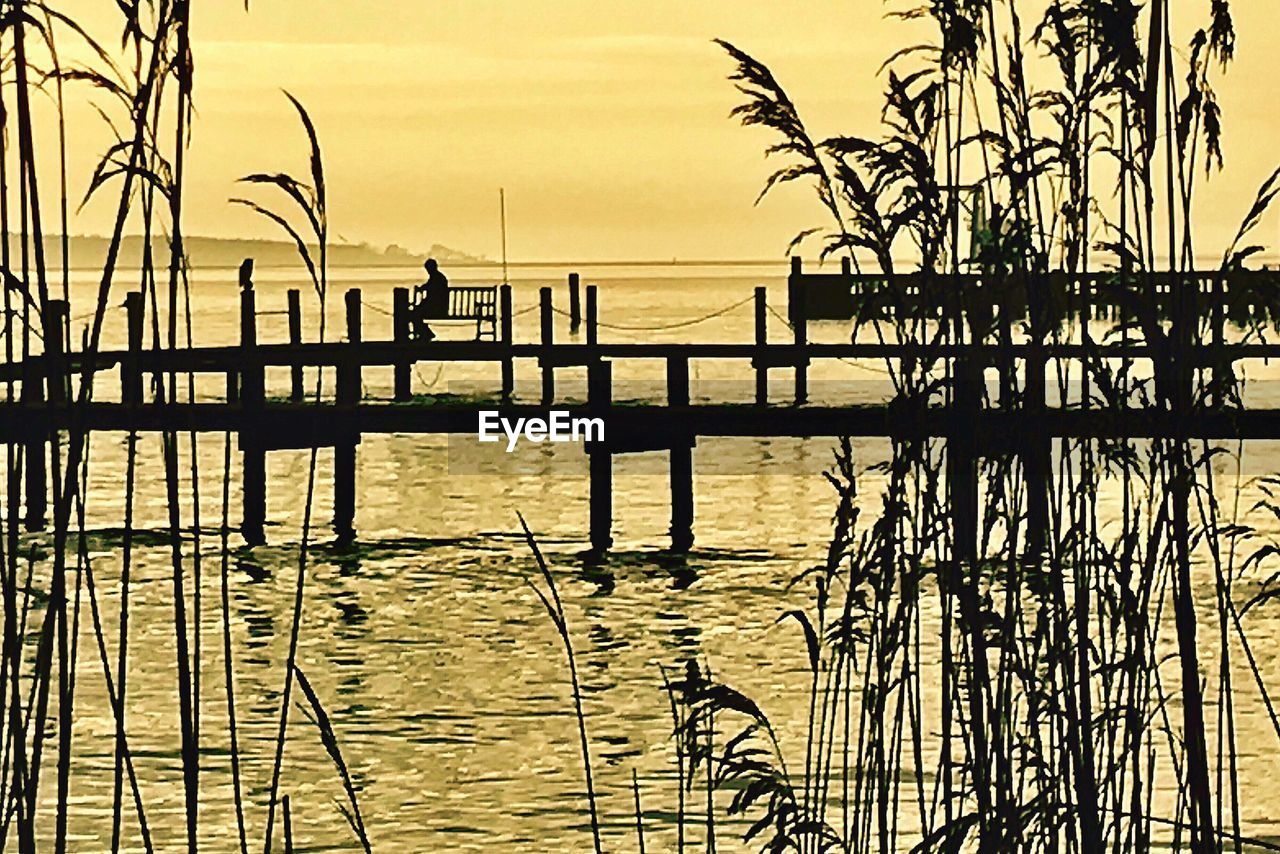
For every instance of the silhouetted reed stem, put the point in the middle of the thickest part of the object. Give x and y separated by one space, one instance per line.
228 659
550 599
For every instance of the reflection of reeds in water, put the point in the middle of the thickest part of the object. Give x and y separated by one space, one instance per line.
148 90
1074 711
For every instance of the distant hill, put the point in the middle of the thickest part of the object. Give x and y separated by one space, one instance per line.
89 251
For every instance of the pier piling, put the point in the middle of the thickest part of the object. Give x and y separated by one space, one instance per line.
50 387
681 459
762 339
344 452
800 330
962 461
252 397
130 370
575 306
547 328
400 334
599 397
795 284
56 316
296 391
593 316
508 363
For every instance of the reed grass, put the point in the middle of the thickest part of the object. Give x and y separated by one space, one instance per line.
549 596
1020 146
1060 715
144 92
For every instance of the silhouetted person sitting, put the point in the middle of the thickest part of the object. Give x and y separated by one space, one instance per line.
431 298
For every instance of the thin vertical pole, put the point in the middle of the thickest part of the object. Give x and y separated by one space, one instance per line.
508 363
575 305
762 339
548 333
296 391
400 334
502 213
599 397
681 459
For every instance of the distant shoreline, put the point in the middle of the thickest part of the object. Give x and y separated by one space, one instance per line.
482 265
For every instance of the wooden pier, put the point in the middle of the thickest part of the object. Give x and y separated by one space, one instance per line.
1241 296
263 424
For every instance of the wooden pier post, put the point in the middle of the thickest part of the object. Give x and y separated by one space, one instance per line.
37 496
344 452
344 493
506 335
795 285
548 334
1222 373
681 459
252 397
296 391
252 381
53 377
962 449
599 398
400 333
762 338
593 317
1037 457
575 306
130 370
800 330
56 317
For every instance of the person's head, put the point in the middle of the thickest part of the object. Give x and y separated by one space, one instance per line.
431 265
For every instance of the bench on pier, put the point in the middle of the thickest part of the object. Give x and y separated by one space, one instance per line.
478 305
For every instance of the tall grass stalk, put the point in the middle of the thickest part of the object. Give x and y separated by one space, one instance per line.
550 599
310 199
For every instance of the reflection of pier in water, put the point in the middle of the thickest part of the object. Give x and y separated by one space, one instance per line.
1021 423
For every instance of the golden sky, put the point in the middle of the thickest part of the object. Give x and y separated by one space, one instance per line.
606 121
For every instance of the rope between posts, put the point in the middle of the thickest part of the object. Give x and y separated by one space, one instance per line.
429 385
680 325
849 362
